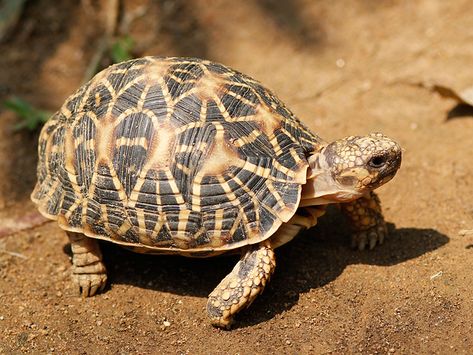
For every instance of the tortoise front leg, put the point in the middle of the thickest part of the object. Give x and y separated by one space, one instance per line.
239 288
88 270
367 221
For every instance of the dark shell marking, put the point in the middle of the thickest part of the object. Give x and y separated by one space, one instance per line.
173 154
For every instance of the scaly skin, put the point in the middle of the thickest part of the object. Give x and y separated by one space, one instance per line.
367 221
88 270
239 288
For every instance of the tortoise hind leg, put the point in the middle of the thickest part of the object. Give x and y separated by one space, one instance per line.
239 288
88 270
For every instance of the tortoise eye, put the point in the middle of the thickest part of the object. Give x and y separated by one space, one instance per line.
377 162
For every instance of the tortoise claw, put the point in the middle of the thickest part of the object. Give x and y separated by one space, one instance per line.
370 237
93 290
89 284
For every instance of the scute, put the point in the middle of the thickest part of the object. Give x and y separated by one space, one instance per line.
173 155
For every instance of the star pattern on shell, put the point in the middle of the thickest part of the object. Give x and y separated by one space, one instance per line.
173 154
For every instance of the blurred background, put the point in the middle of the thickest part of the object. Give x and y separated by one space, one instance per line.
347 67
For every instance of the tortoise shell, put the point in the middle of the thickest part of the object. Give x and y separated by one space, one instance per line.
173 154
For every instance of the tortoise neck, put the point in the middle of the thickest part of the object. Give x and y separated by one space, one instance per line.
321 187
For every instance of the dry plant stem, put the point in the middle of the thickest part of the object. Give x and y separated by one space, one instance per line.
14 224
129 17
12 253
10 11
111 11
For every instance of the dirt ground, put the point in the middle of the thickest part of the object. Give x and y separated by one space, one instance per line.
345 68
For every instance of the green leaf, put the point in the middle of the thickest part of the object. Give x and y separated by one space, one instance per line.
31 117
121 49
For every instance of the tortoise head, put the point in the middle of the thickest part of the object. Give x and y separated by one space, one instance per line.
348 168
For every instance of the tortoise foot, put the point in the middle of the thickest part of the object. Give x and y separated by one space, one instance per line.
367 222
89 278
239 288
88 270
370 237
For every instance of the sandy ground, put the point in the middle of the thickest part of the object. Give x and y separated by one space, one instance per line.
345 67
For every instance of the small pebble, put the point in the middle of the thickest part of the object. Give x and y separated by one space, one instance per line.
167 323
340 63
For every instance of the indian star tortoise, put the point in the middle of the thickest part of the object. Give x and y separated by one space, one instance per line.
186 156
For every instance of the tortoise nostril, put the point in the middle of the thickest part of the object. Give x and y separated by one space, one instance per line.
377 162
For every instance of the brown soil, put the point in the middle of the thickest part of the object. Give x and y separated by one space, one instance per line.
344 68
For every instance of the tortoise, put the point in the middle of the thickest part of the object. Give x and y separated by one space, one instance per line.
187 156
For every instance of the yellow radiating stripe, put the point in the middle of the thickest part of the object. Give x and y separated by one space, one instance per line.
69 161
104 216
218 216
272 190
235 224
185 94
222 109
241 98
273 140
203 111
242 141
71 209
126 225
184 148
141 101
167 96
52 189
228 190
159 224
182 224
130 84
184 168
196 193
250 118
135 192
173 185
180 80
125 141
188 126
283 169
256 204
118 185
118 71
141 219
